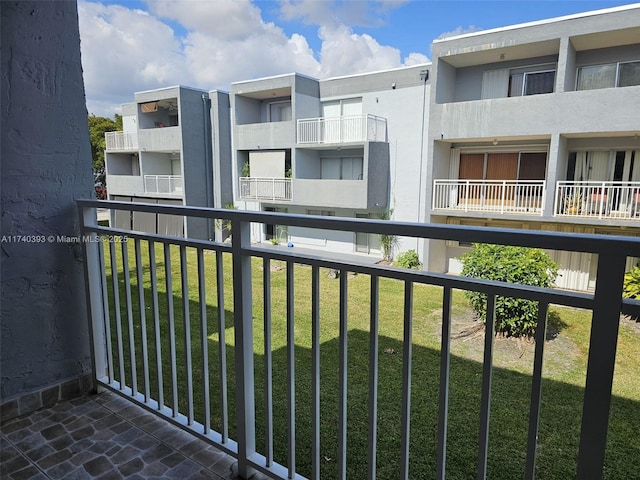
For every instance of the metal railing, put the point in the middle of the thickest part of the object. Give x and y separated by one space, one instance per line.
159 358
346 129
603 200
265 188
121 140
503 196
170 184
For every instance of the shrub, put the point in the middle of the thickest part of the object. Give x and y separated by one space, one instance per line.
409 259
388 241
631 286
529 266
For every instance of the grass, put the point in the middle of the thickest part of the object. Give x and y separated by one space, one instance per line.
563 382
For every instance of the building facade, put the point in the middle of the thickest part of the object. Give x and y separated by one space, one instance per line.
532 126
536 126
166 154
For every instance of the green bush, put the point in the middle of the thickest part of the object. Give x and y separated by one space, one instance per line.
631 286
409 259
529 266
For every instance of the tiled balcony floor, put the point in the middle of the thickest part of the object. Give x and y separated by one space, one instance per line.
104 436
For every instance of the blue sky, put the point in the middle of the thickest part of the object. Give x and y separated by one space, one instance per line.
129 46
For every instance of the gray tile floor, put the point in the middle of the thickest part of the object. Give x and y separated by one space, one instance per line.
104 436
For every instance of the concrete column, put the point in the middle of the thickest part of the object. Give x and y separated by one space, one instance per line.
46 164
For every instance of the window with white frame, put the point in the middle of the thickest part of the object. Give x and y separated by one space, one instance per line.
517 82
608 75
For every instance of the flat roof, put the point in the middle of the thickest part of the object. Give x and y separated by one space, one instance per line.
546 21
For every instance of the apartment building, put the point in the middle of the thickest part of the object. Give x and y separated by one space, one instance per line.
347 146
536 126
532 126
165 154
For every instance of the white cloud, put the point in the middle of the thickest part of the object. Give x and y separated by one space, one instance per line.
124 50
222 19
459 31
127 50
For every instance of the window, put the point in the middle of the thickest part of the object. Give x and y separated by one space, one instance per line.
323 213
608 75
531 83
516 82
280 112
341 168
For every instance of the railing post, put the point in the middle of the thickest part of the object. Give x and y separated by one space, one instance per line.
93 289
243 334
600 366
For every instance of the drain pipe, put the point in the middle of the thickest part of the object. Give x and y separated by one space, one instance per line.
424 76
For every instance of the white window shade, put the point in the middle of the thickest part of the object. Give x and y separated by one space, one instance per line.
267 164
597 76
495 83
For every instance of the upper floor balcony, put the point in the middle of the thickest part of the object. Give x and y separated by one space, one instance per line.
167 184
161 139
601 200
339 130
264 189
139 185
121 141
496 196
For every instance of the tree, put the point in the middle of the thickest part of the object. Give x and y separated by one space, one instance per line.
98 126
527 266
388 242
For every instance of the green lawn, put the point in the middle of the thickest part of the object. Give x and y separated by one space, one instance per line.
563 383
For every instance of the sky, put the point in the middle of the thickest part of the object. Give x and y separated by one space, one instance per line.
130 45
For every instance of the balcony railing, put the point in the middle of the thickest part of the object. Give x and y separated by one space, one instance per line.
347 129
121 140
265 188
169 184
152 347
602 200
497 196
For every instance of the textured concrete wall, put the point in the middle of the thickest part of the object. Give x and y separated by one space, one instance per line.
46 164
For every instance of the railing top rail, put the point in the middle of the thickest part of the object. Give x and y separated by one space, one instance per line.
591 243
361 115
597 182
266 178
163 176
460 180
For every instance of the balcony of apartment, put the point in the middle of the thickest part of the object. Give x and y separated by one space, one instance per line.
163 184
266 189
516 197
205 373
341 130
160 139
121 141
598 200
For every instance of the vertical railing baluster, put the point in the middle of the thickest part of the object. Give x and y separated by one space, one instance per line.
204 339
106 313
291 372
116 309
315 372
600 365
536 392
342 413
126 274
443 394
268 363
172 329
373 378
406 380
153 275
186 321
143 320
95 289
487 367
243 335
222 347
